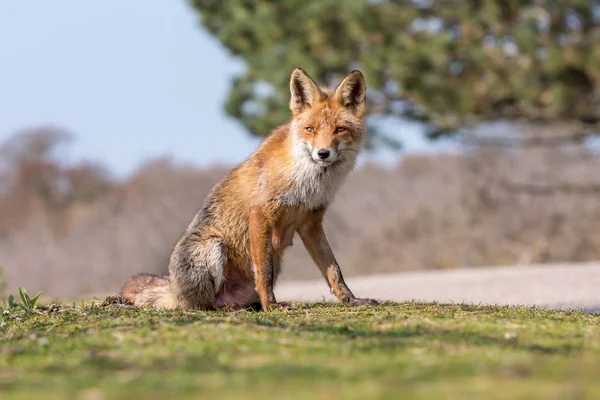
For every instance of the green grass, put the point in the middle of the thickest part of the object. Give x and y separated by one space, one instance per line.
412 350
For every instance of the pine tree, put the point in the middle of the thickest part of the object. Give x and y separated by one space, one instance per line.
449 63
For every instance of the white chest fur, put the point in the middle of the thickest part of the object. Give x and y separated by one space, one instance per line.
311 185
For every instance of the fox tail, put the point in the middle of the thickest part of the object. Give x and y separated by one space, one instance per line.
148 290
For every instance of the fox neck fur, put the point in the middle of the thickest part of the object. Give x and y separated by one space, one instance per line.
303 182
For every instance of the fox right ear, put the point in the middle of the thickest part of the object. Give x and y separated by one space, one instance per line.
304 90
351 92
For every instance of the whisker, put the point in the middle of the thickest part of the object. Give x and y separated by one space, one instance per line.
348 149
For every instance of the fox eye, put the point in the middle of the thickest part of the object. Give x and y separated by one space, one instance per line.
340 129
309 129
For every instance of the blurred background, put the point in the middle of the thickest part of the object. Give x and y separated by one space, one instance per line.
117 117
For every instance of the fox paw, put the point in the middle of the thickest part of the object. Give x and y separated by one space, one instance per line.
235 307
282 305
362 302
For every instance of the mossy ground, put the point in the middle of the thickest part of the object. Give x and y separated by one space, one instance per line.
409 350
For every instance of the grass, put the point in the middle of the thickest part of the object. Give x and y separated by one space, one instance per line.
410 350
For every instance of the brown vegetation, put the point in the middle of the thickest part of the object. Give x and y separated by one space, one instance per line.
73 230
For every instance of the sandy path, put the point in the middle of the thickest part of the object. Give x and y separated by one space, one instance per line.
565 286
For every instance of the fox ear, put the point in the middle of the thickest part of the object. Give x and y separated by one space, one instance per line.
352 91
304 91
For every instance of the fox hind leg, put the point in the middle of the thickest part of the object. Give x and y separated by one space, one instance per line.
196 270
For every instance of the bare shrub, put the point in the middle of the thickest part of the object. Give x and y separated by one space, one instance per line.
72 230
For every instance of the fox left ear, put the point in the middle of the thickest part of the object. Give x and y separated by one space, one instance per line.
352 91
304 90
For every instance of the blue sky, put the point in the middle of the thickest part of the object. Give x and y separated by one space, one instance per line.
132 80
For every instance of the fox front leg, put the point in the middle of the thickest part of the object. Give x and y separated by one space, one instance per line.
261 249
314 239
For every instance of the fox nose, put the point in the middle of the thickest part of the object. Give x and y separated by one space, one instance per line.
323 154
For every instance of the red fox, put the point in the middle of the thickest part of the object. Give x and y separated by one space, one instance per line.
231 253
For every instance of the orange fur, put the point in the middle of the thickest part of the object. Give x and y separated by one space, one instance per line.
230 255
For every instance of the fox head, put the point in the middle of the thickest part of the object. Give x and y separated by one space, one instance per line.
327 123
